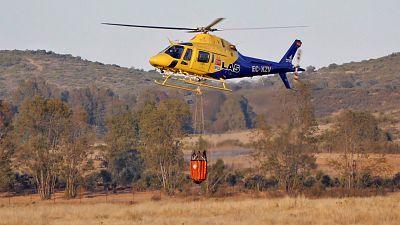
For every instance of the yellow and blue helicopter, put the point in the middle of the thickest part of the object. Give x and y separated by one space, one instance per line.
207 58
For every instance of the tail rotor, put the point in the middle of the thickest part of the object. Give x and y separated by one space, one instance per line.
296 76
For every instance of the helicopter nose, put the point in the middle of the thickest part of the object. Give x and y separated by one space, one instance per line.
159 60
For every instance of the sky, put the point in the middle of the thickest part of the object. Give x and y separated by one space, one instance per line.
339 31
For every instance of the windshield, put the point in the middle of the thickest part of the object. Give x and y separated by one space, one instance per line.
164 50
175 51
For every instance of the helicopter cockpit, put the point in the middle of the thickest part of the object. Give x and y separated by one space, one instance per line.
175 51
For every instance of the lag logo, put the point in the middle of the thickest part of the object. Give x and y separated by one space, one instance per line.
232 67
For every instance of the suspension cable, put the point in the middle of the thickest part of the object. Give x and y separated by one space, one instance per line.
195 115
199 113
202 114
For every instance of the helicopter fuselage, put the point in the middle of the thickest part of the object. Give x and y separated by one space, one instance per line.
209 56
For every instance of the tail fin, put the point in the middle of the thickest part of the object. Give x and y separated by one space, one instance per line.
288 57
285 80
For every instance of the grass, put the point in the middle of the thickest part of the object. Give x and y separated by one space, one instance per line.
246 161
238 210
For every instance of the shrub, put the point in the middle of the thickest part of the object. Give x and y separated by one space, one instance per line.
90 181
310 69
104 179
309 181
377 182
148 181
259 182
365 180
326 181
336 182
23 182
396 180
333 66
231 179
234 178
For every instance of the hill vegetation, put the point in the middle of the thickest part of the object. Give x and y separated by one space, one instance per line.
67 72
67 123
370 85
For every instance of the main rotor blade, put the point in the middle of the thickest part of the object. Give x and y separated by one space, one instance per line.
200 30
216 21
151 27
261 28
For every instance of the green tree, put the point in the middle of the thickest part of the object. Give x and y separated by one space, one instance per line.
122 152
99 104
234 114
39 129
161 128
28 89
6 145
213 100
249 114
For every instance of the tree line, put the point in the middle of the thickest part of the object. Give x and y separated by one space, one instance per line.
286 155
222 112
46 144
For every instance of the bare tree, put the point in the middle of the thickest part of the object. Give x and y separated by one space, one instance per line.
284 159
356 135
75 146
286 152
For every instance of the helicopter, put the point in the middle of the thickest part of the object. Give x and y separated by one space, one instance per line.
208 59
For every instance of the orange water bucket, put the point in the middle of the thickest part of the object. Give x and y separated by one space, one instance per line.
198 170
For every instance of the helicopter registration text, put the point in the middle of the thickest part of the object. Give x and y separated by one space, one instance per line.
262 69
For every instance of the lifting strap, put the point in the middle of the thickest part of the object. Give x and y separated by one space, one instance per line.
199 113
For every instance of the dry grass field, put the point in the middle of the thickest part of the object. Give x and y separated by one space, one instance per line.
233 210
239 156
245 137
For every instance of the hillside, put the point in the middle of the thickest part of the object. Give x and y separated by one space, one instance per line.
372 85
382 73
67 72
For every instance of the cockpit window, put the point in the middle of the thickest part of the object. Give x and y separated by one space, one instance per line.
164 50
175 51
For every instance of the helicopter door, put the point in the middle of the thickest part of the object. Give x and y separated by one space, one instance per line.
202 62
185 62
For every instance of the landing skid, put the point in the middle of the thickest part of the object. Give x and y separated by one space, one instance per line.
192 80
